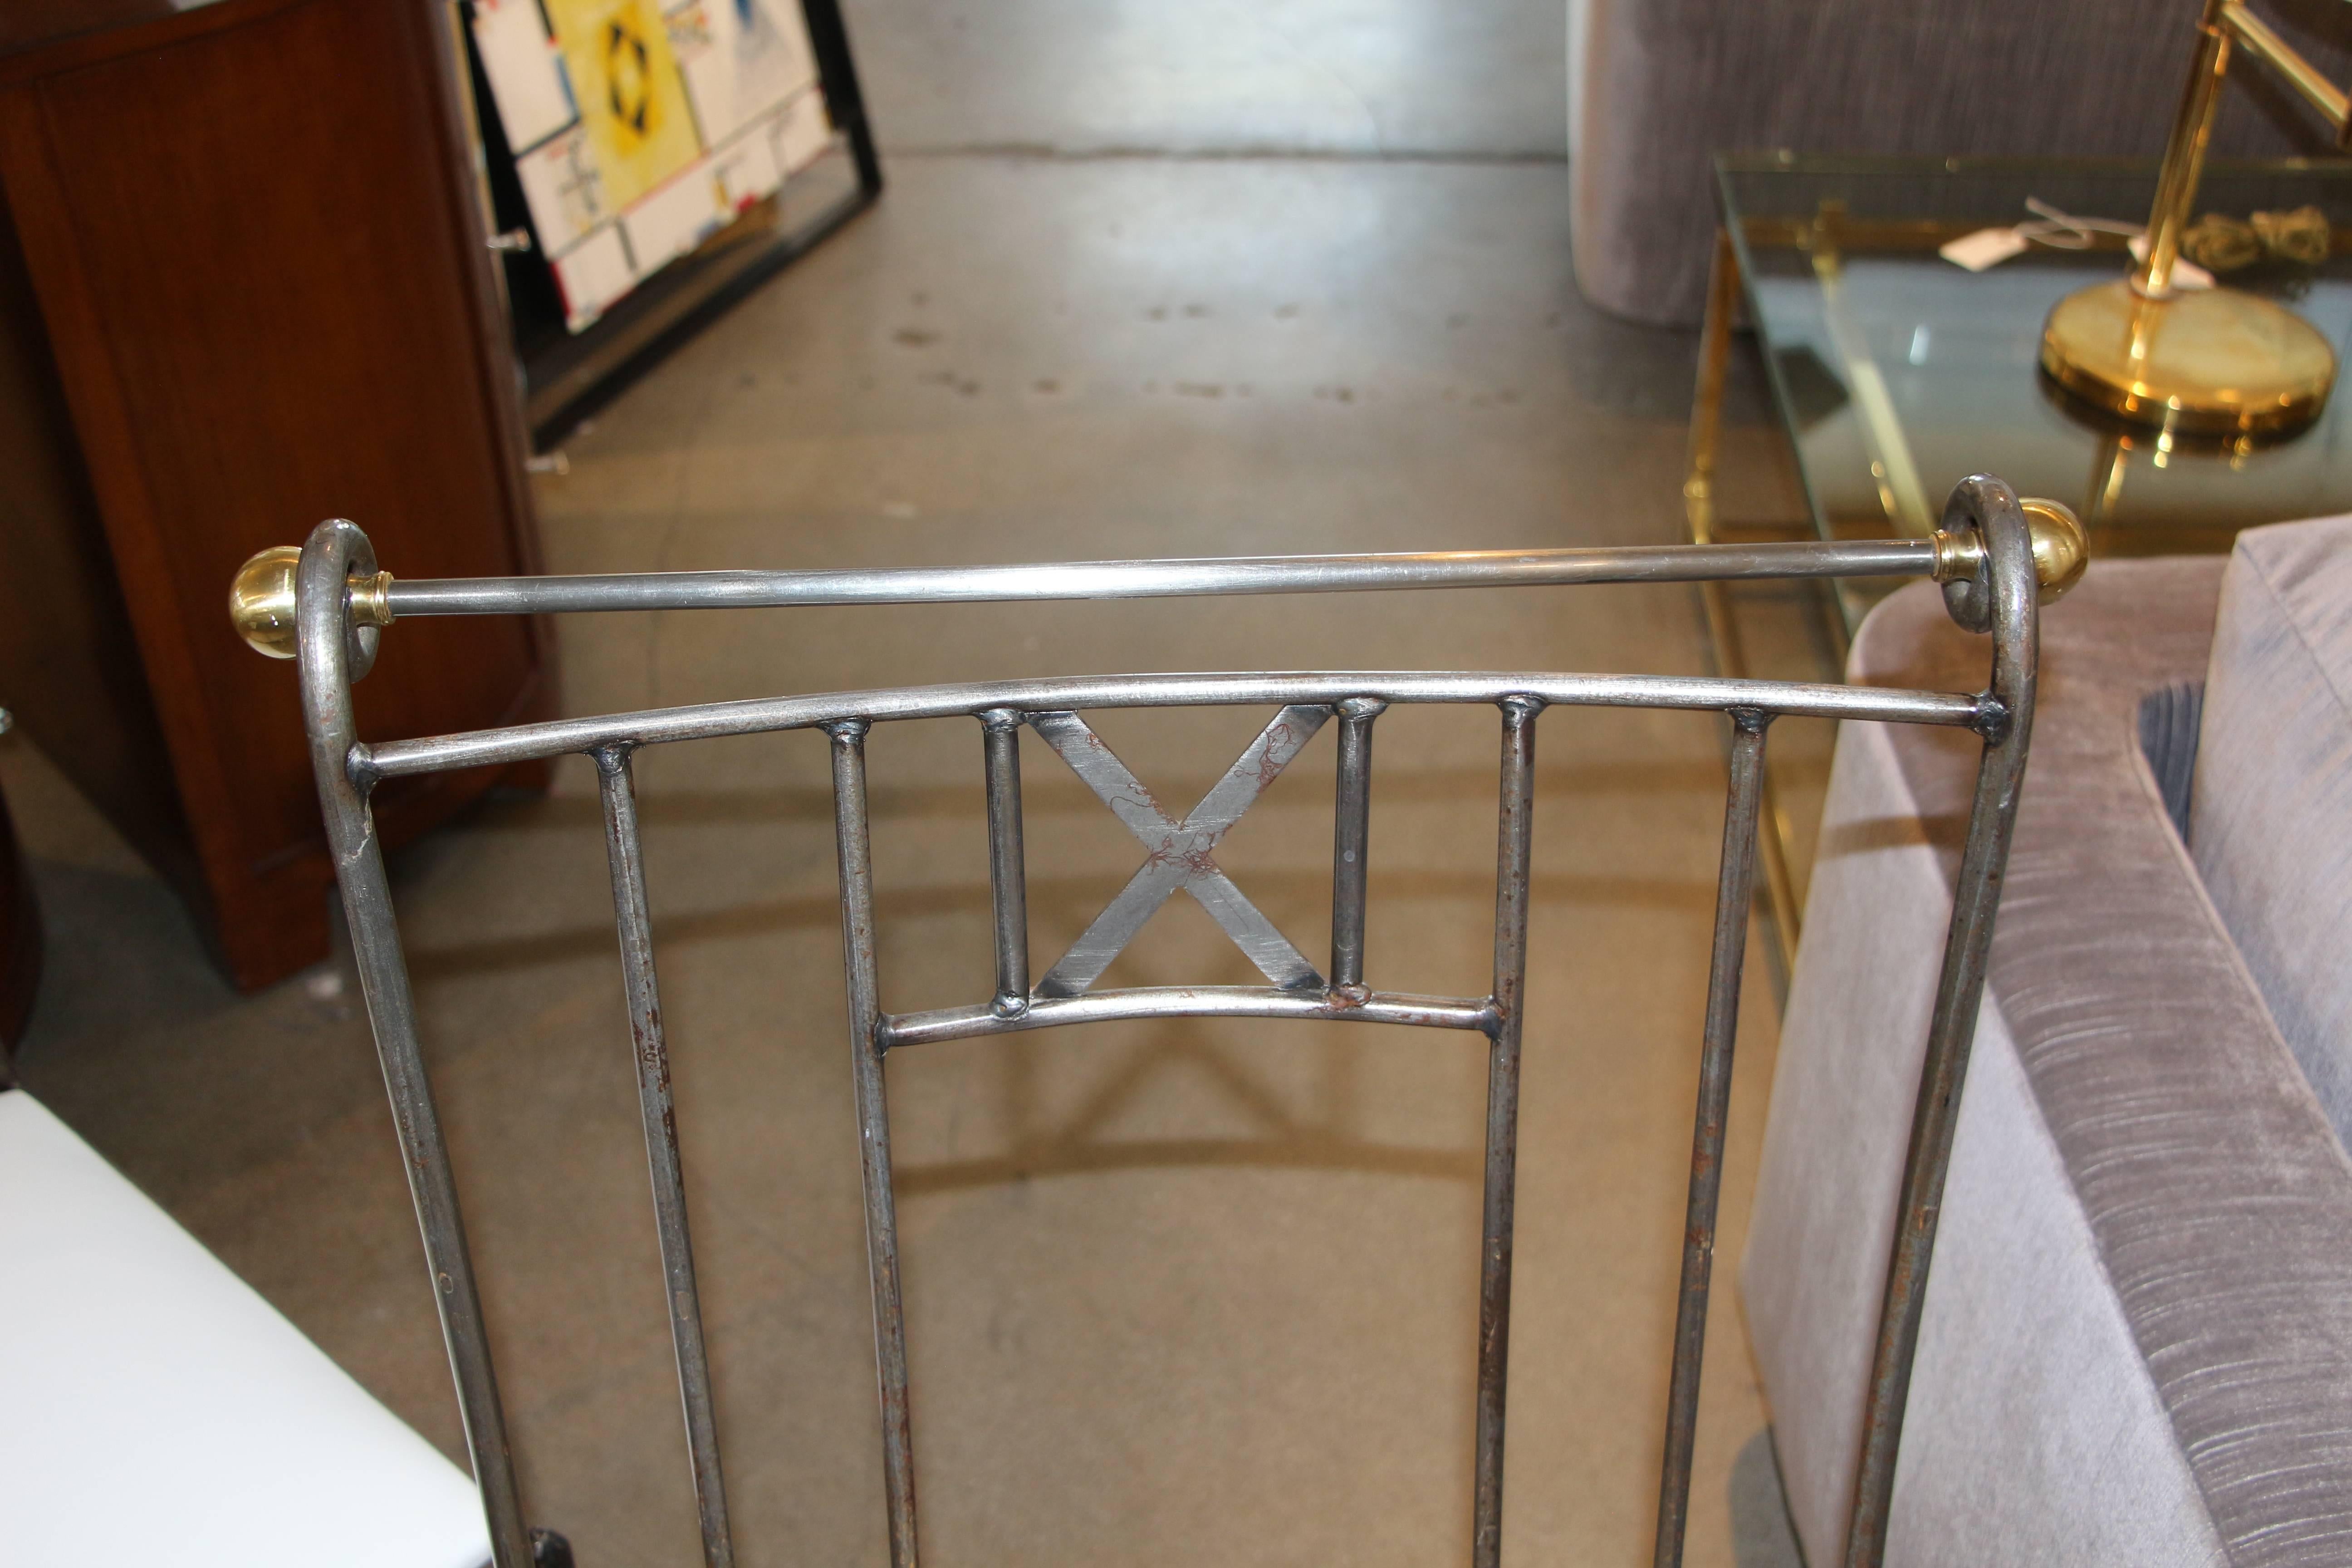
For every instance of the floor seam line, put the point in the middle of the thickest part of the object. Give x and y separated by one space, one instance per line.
1043 153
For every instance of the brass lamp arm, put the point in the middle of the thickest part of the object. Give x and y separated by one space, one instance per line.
2301 74
2212 361
2225 22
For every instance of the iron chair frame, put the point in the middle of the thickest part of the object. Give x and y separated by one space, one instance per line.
1984 555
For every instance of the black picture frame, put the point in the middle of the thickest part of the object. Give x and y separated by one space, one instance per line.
566 376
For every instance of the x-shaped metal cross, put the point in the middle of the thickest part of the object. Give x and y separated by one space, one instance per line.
1180 851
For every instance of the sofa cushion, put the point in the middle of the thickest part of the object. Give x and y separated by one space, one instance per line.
2270 819
2216 1200
2034 1416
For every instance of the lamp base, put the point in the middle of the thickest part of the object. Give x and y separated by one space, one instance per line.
2213 361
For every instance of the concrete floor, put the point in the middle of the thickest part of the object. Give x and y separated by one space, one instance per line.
1147 280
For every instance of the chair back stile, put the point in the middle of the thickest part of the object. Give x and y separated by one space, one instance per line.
337 605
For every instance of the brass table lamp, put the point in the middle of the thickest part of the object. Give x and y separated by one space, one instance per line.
2216 361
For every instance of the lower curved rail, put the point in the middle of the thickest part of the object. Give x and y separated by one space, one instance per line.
710 720
1186 1002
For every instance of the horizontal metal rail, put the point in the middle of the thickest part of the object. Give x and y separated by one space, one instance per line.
1185 1001
708 720
1160 579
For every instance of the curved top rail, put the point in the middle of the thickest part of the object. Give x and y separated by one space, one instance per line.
709 721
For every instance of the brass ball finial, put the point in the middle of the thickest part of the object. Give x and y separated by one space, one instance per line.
2062 550
261 601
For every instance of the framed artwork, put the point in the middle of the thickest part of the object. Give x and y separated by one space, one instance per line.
638 129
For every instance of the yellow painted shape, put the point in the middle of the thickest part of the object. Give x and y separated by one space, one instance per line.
632 100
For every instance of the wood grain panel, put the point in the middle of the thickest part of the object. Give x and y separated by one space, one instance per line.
264 287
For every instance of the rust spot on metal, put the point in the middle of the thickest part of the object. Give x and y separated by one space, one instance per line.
1270 762
1141 795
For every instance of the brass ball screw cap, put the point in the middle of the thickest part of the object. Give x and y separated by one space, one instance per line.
2061 554
261 600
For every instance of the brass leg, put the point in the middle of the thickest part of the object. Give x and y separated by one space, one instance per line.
2107 473
1698 511
1901 495
1706 398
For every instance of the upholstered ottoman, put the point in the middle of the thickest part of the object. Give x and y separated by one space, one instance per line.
154 1410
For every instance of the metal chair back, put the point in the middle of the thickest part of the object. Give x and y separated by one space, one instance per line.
332 605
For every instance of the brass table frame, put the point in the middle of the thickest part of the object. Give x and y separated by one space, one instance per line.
1723 302
1826 237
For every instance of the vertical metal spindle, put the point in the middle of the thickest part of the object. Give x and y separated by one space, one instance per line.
1734 891
1350 836
336 550
433 1186
874 1129
634 920
1515 841
1008 873
1723 291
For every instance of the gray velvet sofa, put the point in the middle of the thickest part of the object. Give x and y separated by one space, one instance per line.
1656 88
2137 1341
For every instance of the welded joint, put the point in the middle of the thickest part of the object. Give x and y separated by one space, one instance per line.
847 731
613 756
997 721
359 766
1751 720
1994 719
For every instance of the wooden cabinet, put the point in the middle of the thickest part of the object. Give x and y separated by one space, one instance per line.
244 286
20 944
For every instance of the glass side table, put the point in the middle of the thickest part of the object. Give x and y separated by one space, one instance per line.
1895 374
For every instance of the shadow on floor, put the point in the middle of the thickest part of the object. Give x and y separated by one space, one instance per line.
1761 1536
